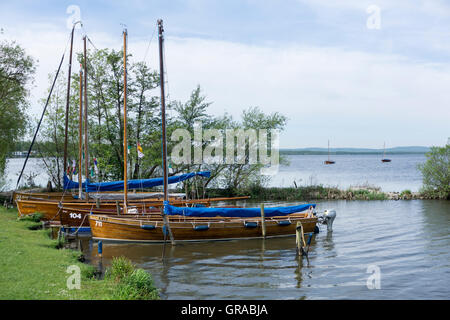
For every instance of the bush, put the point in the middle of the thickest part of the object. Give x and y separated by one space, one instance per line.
436 172
120 268
138 285
131 283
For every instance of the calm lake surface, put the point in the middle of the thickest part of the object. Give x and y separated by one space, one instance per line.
409 241
352 170
349 170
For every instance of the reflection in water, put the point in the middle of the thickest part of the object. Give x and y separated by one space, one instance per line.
408 240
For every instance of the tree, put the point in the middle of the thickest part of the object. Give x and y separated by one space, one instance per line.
247 174
16 72
436 171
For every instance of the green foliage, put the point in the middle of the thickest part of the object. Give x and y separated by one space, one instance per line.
436 172
121 267
364 194
16 72
406 192
35 217
132 283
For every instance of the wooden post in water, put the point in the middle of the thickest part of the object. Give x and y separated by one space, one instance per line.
299 238
163 121
263 221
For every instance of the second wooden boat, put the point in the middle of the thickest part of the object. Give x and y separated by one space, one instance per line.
184 228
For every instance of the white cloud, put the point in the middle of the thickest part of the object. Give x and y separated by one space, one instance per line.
355 97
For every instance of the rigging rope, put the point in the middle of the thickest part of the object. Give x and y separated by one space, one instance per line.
40 121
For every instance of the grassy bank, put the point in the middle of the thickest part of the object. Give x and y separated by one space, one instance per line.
32 267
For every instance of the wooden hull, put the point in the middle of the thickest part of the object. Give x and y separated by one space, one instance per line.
329 162
60 196
67 196
195 229
79 217
385 160
50 209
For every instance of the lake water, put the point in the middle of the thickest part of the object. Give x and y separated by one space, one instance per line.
349 170
408 242
352 170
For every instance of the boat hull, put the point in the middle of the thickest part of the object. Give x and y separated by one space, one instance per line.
212 229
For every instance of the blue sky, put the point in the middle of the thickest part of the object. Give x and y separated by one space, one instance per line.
318 62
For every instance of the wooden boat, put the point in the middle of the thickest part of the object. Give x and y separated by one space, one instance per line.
105 196
144 229
328 161
75 216
51 209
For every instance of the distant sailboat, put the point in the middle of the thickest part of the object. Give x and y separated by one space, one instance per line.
384 159
329 161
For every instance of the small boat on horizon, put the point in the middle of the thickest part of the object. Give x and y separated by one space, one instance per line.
329 161
384 159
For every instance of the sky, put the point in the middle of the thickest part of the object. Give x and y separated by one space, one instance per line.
358 73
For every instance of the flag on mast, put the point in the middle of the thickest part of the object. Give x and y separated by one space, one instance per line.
95 166
140 152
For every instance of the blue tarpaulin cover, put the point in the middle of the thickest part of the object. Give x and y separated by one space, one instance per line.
132 184
234 212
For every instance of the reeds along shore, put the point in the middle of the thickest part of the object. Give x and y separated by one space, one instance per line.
319 192
303 193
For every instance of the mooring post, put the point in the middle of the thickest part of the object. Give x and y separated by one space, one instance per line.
263 221
100 248
299 238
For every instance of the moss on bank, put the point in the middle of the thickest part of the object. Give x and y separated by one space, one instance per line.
33 268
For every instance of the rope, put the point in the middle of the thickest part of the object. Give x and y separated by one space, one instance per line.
40 121
79 227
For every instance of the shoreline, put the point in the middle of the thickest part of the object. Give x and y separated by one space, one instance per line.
302 193
36 267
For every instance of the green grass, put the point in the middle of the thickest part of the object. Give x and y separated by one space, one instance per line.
364 194
32 268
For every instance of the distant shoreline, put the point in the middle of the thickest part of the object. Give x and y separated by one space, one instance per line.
321 153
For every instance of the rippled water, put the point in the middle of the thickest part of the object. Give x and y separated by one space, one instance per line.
409 241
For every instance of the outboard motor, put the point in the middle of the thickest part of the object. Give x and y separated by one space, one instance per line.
328 218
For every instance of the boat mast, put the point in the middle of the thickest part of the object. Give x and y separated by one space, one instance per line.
86 150
68 99
328 150
80 137
125 147
384 150
163 121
